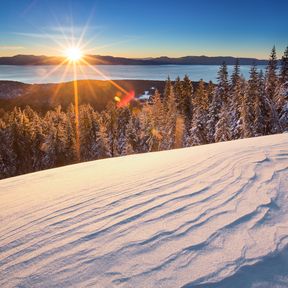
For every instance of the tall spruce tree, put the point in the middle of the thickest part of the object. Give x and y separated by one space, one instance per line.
283 101
222 89
7 154
170 117
246 112
235 101
256 101
219 110
187 109
167 90
198 131
222 129
272 92
177 89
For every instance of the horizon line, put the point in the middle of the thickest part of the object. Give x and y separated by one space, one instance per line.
140 58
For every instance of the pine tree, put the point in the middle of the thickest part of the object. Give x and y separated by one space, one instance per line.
235 101
131 139
256 101
167 90
55 145
284 68
210 92
222 129
124 117
272 95
271 76
187 109
246 112
110 116
72 148
216 113
7 154
213 117
158 120
103 142
283 99
145 130
177 89
198 132
22 140
89 127
222 89
169 123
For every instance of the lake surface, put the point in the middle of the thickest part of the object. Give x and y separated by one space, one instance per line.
49 73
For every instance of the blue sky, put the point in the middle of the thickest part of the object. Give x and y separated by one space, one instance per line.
145 28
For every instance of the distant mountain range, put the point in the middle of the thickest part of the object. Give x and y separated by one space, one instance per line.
110 60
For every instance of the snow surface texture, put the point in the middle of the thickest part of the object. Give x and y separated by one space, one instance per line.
207 216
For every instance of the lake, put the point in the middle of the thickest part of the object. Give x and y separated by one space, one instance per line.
49 73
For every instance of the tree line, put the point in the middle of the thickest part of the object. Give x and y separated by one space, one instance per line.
182 116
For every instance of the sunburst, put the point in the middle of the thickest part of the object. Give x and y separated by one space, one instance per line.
75 52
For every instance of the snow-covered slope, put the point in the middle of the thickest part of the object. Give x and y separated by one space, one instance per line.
207 216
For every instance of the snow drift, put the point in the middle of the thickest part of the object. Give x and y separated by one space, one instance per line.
207 216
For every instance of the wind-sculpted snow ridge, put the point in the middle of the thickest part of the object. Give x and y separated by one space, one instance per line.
207 216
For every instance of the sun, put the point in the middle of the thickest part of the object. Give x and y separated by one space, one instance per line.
73 54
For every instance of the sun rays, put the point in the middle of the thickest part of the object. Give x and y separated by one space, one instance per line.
75 53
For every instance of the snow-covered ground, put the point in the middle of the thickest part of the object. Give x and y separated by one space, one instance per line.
207 216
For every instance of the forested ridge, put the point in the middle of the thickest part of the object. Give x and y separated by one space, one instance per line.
234 108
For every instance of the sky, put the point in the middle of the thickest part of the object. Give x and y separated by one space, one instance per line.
147 28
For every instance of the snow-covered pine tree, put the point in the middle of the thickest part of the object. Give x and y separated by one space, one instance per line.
222 89
38 139
213 117
257 101
71 149
198 131
131 137
167 91
272 93
103 141
158 123
187 109
88 133
284 68
222 129
123 119
246 112
169 123
7 155
283 101
177 89
235 100
219 113
110 116
22 140
145 128
55 141
210 92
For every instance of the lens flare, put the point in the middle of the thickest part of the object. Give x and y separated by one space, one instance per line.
124 101
117 99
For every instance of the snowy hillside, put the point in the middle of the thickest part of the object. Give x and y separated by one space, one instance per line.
207 216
